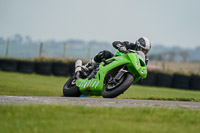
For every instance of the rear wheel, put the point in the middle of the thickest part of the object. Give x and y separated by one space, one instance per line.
115 88
70 89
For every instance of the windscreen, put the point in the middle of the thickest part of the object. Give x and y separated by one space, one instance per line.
141 55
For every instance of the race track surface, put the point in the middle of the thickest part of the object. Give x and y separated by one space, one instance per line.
86 101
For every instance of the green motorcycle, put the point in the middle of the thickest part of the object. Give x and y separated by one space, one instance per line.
110 78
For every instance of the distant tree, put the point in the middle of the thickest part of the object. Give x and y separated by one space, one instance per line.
184 54
156 57
28 39
171 55
18 38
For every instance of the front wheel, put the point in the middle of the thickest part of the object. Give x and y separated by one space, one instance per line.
112 90
70 89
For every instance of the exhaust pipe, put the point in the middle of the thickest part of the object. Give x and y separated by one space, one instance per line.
78 66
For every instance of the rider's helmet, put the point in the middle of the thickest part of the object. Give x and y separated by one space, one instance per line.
143 44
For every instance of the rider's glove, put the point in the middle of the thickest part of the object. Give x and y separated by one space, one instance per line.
121 48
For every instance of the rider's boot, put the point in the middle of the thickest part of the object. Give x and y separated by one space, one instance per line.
90 65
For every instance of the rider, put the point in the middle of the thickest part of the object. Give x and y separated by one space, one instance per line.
142 44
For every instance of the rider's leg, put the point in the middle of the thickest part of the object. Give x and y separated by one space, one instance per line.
98 58
103 55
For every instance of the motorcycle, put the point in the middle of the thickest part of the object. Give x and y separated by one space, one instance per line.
110 78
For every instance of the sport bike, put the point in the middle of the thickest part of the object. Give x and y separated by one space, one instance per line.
110 78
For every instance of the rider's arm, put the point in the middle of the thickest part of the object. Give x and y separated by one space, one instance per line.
126 44
120 46
117 44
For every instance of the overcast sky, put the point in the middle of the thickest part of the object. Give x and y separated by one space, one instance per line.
167 22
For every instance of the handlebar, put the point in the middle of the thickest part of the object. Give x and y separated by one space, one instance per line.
131 51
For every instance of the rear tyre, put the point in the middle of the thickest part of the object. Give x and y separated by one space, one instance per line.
70 89
122 85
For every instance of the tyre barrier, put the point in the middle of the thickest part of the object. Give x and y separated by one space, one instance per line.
60 69
8 65
180 81
71 68
163 80
44 68
26 67
195 82
150 80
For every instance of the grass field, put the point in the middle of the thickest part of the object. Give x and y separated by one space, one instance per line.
18 84
75 119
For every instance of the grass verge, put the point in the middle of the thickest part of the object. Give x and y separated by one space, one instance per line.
18 84
57 118
159 93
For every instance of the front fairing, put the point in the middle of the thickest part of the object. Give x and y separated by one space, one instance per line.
137 66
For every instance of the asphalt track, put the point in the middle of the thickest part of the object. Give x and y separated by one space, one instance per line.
86 101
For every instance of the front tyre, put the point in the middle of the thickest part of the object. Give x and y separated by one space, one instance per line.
70 89
111 91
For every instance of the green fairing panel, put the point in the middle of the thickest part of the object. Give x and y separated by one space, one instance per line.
96 85
92 87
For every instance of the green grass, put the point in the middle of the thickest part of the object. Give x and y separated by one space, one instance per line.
159 93
74 119
18 84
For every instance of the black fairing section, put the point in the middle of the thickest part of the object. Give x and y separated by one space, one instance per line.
121 74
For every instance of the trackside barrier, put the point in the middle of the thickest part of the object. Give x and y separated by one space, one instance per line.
195 82
60 69
26 66
150 80
163 80
172 81
8 65
180 81
67 69
44 68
